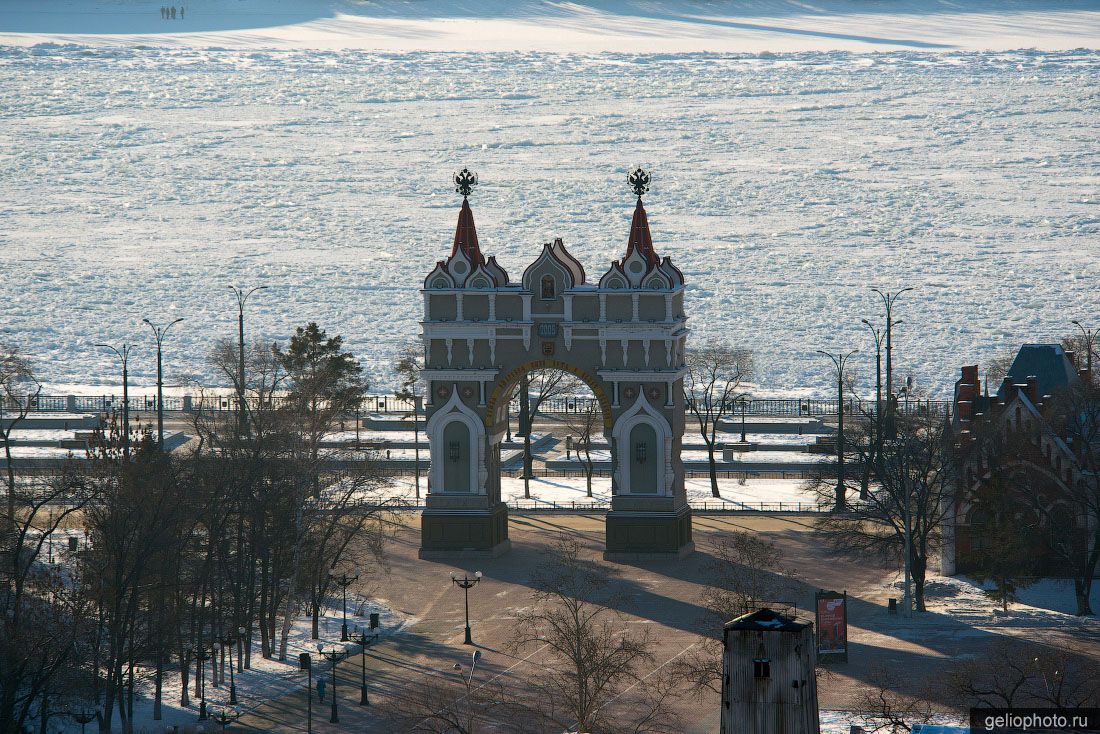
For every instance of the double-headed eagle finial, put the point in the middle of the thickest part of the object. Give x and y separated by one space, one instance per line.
465 181
639 181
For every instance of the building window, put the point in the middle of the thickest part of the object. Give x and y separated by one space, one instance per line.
548 288
761 664
761 668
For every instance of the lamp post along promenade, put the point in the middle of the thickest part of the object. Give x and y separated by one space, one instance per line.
158 333
466 583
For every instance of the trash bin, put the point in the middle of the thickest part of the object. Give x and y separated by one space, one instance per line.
893 605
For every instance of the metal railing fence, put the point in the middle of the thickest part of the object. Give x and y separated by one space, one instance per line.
393 405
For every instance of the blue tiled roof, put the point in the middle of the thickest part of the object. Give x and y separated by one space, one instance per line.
1048 362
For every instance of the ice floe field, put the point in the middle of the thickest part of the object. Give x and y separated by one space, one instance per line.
140 179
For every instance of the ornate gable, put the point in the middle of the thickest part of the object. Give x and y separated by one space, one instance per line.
439 277
555 258
500 275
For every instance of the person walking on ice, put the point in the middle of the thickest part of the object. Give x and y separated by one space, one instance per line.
181 12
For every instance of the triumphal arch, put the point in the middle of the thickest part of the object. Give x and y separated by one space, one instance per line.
624 336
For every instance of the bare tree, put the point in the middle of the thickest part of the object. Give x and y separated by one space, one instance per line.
36 597
1007 543
590 662
746 574
882 705
410 361
715 377
584 424
1074 417
459 699
1015 673
915 472
19 388
996 369
535 388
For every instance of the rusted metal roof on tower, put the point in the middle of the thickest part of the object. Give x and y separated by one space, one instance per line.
640 238
466 235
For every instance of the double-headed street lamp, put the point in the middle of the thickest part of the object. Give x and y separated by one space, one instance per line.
334 657
124 357
228 641
83 717
159 333
466 583
226 716
344 581
468 681
888 299
242 297
839 361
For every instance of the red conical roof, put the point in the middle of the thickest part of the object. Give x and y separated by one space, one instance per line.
466 235
640 239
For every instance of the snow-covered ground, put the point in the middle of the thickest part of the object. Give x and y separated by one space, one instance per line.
557 25
142 175
746 457
1048 602
562 491
265 679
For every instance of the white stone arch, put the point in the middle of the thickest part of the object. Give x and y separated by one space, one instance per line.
456 410
642 412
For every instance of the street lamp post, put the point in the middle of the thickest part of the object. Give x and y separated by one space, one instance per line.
226 717
240 649
839 361
1090 336
124 357
466 583
468 681
877 334
344 581
242 297
158 333
365 641
202 657
83 717
334 657
227 644
744 404
888 299
308 661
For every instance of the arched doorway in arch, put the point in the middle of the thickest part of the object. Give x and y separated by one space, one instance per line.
624 337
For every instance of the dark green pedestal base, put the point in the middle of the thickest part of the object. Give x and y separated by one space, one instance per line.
464 533
636 536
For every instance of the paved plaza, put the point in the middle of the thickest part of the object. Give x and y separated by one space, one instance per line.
663 594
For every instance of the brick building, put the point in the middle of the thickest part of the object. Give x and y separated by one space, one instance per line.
1021 435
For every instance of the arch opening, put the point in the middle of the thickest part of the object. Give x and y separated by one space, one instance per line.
496 408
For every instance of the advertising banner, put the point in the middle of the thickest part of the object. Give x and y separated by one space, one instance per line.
832 625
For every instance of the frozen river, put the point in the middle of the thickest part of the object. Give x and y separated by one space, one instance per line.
141 182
